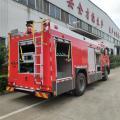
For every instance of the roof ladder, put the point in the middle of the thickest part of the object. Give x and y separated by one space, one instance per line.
38 58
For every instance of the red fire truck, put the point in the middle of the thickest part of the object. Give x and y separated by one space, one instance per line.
54 60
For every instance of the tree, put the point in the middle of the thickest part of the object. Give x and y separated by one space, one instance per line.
3 55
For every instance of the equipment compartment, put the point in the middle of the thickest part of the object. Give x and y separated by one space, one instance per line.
26 57
64 61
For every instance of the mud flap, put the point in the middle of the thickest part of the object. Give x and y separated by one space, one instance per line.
42 95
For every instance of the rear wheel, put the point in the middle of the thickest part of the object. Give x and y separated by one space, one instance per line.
80 84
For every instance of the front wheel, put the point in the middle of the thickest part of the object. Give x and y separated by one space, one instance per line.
80 84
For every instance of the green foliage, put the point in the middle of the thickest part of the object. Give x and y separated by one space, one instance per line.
114 61
3 83
3 67
3 59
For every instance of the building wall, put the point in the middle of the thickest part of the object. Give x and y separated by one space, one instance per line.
14 15
92 9
3 17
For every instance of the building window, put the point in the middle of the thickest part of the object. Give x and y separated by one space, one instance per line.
55 12
102 34
31 3
45 7
94 30
52 10
117 42
109 38
39 5
90 28
84 26
72 20
24 2
64 16
106 37
112 40
99 33
58 13
79 22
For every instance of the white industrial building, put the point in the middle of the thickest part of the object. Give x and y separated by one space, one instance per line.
81 16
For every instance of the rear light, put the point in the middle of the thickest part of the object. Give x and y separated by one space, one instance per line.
11 84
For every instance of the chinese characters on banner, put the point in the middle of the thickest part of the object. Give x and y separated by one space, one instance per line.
70 4
89 15
113 32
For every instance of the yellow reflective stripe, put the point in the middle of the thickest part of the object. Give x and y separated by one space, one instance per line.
33 32
11 89
45 95
38 94
7 88
21 52
69 52
41 95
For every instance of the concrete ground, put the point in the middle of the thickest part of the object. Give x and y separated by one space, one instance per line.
100 102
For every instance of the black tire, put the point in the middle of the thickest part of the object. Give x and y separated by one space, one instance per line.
105 77
80 84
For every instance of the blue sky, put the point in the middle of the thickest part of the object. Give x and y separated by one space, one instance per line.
111 7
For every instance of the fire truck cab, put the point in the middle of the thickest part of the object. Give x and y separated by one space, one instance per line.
54 60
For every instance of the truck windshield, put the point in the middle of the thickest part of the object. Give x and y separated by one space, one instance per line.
26 56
